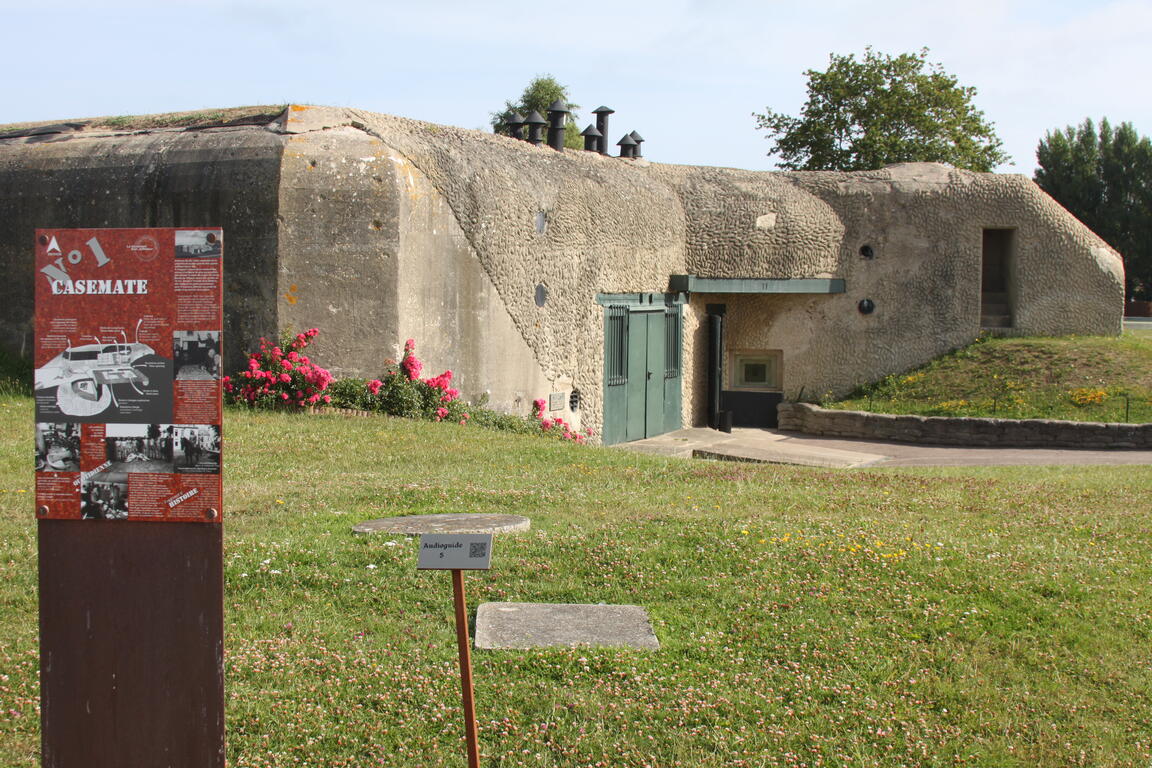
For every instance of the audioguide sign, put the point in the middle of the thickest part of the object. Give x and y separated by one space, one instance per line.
128 380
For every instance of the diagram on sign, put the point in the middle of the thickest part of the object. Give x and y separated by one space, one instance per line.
87 380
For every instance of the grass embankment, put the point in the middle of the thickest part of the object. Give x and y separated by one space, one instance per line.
1077 378
900 617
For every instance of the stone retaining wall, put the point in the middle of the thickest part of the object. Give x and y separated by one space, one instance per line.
944 430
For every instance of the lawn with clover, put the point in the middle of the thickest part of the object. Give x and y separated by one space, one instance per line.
889 617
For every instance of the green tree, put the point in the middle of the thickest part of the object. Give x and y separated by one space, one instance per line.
1104 178
865 114
538 96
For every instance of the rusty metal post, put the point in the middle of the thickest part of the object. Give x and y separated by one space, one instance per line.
463 645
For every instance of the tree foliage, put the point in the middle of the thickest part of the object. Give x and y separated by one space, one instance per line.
540 93
1104 178
865 114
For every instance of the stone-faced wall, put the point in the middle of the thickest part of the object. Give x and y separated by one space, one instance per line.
940 430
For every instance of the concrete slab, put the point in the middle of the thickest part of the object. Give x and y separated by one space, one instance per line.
770 445
544 625
414 525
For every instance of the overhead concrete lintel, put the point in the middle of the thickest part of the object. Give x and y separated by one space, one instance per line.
694 284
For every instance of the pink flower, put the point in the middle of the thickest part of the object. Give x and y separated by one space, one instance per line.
285 378
283 395
538 406
441 413
293 356
546 423
374 386
327 399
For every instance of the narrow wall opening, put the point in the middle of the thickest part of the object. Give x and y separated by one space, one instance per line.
997 289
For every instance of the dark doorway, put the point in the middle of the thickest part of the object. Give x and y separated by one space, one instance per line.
996 278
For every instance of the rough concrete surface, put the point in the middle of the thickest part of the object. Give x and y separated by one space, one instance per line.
543 625
414 525
372 227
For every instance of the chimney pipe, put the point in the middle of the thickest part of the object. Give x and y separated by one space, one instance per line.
535 125
627 146
639 140
515 124
557 113
592 138
602 126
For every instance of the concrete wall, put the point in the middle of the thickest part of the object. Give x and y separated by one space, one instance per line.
939 430
167 178
376 229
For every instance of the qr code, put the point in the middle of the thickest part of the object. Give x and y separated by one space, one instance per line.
478 549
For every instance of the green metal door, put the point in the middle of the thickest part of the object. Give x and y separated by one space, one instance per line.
642 370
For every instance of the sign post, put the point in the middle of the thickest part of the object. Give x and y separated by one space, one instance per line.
457 553
129 496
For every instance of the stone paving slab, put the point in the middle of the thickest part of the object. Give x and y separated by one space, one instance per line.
414 525
544 625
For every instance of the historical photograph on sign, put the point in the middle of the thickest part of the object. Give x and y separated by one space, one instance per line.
139 447
198 243
197 449
57 447
105 378
104 496
196 355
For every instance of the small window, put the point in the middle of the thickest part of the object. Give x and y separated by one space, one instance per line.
757 370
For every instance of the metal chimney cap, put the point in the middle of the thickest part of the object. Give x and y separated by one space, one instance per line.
515 119
636 137
590 131
603 111
558 106
627 141
534 118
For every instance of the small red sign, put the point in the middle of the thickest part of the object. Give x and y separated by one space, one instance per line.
128 380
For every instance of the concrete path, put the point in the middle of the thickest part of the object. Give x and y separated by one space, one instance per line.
775 447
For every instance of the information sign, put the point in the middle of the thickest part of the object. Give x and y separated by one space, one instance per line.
455 551
128 380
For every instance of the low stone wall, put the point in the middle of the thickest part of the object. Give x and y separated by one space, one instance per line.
945 430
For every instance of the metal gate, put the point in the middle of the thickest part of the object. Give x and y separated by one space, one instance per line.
642 338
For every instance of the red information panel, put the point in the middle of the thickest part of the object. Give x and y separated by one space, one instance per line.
128 390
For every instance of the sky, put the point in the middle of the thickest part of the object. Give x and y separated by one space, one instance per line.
685 74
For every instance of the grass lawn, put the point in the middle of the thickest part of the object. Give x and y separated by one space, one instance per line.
852 618
1077 378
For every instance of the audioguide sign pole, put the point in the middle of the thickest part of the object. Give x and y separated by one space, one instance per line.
459 552
128 496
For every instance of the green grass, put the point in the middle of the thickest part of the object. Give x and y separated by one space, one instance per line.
992 616
1075 378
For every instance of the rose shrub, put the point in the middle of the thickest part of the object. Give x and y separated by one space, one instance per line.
279 376
401 392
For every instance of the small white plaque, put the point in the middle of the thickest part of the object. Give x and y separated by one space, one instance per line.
557 401
451 551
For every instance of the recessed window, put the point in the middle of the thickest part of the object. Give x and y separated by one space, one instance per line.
757 370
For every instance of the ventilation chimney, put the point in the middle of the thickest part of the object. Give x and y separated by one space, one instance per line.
602 126
627 146
516 125
535 125
557 113
592 138
639 140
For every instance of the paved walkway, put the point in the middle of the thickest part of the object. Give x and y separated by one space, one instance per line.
775 447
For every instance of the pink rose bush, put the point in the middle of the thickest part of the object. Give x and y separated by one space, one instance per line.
401 391
274 378
556 426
